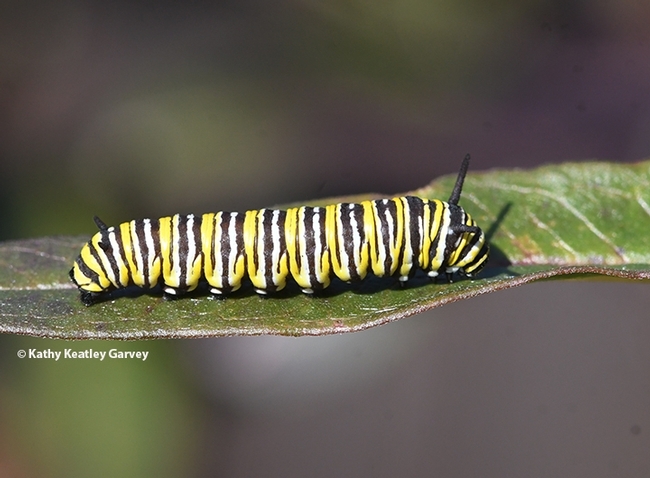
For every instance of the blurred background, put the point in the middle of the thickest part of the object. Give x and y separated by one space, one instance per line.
144 109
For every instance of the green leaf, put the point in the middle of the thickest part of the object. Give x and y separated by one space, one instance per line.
585 219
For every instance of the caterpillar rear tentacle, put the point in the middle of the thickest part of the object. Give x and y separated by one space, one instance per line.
388 237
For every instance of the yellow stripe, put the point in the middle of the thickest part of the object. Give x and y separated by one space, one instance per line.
92 264
479 264
125 232
291 232
456 252
207 235
455 257
407 257
137 274
85 282
332 239
250 233
377 242
440 219
166 238
252 243
472 254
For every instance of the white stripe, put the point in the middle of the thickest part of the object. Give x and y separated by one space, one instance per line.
275 235
107 265
151 248
116 251
232 257
318 246
341 244
440 246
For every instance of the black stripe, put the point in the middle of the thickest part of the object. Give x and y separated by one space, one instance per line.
256 263
267 251
110 254
183 249
416 213
438 241
196 230
457 218
122 251
95 254
468 247
155 233
133 254
141 238
484 252
391 208
392 211
309 240
296 239
87 271
401 247
348 211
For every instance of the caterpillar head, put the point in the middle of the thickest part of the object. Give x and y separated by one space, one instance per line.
469 247
466 247
87 272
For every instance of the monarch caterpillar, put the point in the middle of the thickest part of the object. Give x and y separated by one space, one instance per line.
311 244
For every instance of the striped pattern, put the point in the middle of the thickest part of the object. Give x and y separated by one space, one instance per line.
308 244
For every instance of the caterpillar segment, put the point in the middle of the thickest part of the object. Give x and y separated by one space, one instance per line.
311 245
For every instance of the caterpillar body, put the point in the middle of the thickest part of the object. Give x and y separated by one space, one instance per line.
309 244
